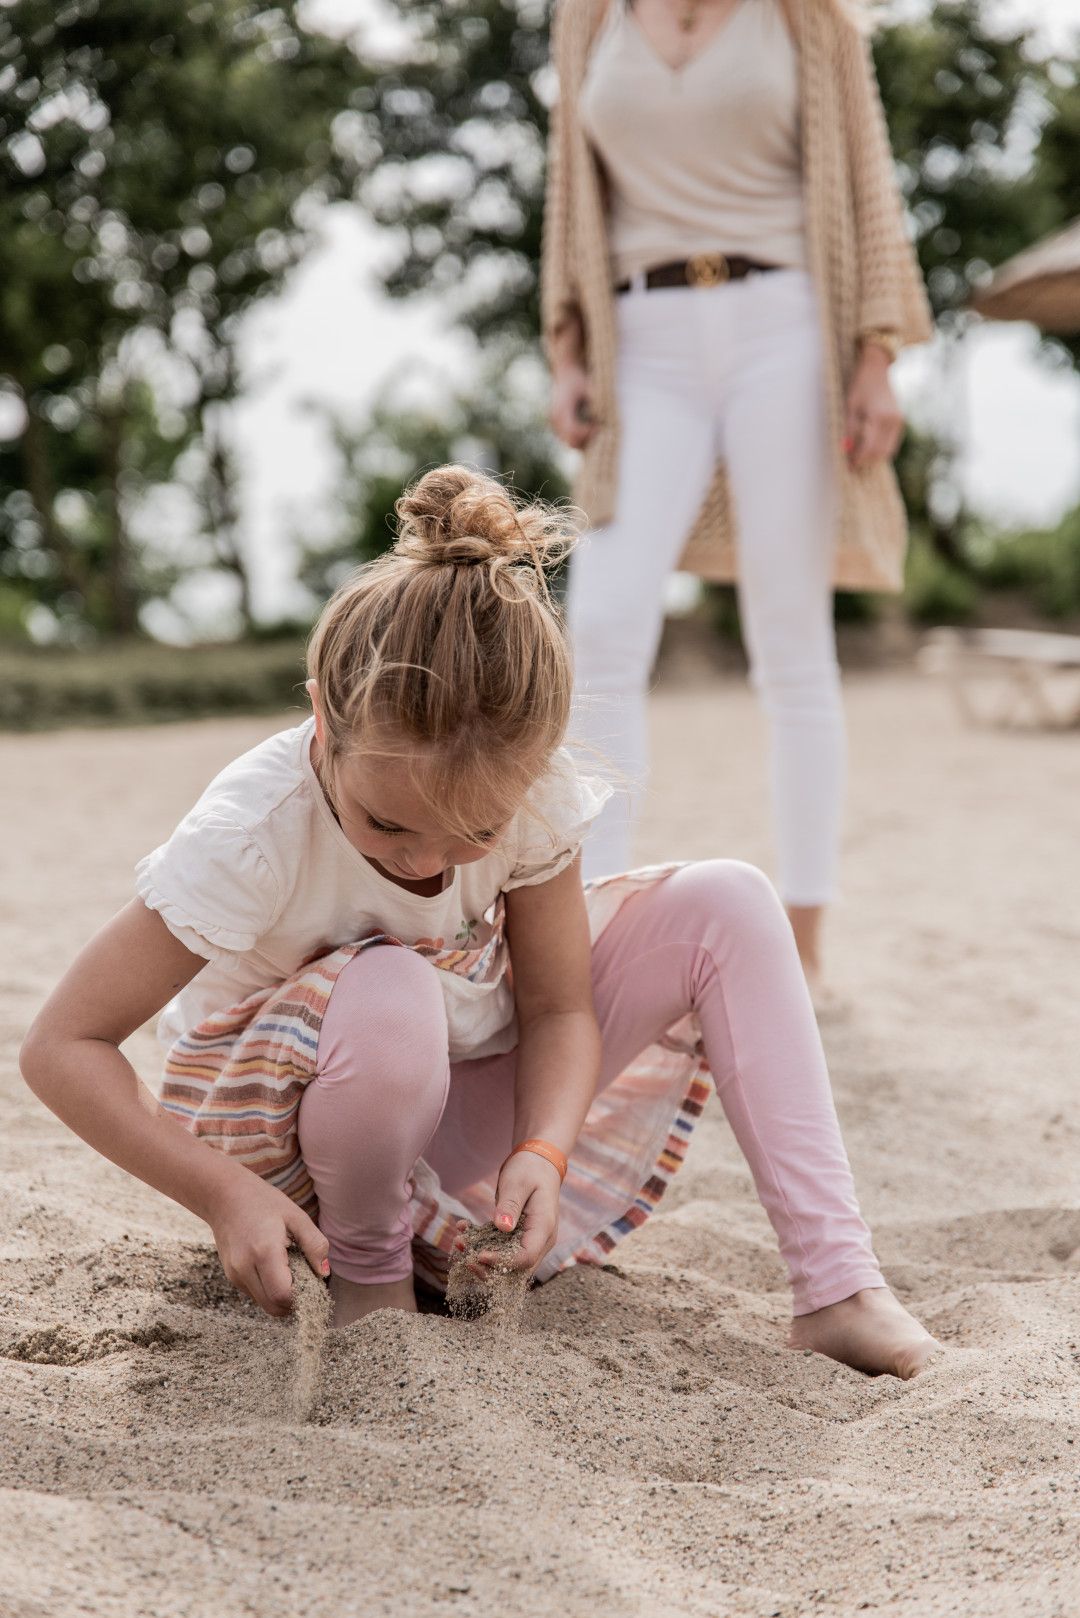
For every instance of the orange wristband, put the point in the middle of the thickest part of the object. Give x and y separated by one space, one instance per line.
544 1149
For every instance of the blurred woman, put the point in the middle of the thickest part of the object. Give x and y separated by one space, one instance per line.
726 281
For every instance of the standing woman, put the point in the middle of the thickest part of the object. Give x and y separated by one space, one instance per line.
726 280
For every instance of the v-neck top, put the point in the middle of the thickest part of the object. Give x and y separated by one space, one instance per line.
259 878
701 158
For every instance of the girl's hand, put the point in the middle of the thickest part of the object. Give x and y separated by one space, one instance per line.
571 405
873 424
254 1225
527 1199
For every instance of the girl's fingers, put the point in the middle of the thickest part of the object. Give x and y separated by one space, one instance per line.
537 1236
255 1290
534 1244
513 1191
242 1286
275 1282
508 1211
310 1240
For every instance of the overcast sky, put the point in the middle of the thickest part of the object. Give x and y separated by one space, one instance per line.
332 338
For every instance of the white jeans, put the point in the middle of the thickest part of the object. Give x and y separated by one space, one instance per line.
733 370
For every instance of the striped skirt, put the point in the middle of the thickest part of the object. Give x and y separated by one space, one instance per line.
237 1080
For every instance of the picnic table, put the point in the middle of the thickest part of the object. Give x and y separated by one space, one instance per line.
1009 677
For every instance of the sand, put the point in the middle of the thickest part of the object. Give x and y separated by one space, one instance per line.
495 1295
310 1322
645 1446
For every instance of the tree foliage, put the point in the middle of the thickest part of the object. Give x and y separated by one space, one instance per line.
155 160
455 132
1058 161
965 101
422 422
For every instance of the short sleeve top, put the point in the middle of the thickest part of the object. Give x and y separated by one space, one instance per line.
259 877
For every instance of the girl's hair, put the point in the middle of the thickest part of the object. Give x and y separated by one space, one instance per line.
452 645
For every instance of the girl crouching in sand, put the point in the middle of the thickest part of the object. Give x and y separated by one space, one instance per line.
387 993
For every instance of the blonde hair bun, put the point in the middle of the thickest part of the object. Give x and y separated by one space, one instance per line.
454 516
451 640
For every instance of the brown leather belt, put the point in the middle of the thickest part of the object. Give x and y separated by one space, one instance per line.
702 270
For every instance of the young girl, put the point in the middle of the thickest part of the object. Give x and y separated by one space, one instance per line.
386 992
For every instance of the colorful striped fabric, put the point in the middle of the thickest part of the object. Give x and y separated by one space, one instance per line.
237 1079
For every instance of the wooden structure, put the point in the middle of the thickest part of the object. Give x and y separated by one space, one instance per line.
1018 678
1041 284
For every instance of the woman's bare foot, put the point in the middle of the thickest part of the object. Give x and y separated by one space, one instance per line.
352 1300
871 1331
807 924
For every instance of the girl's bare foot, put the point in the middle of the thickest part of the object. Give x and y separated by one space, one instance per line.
352 1300
871 1331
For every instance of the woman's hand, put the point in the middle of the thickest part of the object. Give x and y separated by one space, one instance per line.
254 1225
571 405
873 424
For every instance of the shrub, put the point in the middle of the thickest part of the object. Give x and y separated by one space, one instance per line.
1043 564
935 592
136 682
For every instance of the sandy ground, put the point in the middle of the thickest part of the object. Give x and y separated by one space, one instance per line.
647 1446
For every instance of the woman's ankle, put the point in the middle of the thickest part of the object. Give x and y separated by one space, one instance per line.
807 924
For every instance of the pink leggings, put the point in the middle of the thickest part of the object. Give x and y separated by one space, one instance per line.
712 938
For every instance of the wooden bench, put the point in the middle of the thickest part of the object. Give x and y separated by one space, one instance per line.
1009 677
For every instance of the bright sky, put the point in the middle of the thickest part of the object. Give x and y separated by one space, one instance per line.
332 338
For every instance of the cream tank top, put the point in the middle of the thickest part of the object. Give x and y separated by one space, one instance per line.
705 157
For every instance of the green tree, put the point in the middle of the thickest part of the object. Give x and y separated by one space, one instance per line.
158 166
419 423
454 130
1057 160
963 99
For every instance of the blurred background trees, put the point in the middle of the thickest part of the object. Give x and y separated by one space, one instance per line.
160 170
164 166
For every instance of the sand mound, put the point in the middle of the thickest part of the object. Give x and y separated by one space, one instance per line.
64 1345
642 1444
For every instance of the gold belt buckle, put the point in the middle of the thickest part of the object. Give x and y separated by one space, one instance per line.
707 270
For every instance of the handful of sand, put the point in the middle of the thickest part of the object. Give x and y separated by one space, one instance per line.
498 1295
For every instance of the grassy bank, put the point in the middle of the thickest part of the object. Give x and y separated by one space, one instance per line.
140 682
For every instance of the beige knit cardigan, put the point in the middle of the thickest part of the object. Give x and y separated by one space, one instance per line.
858 253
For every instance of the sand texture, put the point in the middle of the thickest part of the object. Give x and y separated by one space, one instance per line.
645 1446
495 1295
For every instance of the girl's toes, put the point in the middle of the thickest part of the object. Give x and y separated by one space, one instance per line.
915 1357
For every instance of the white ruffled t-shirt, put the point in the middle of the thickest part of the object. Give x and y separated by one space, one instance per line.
259 877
